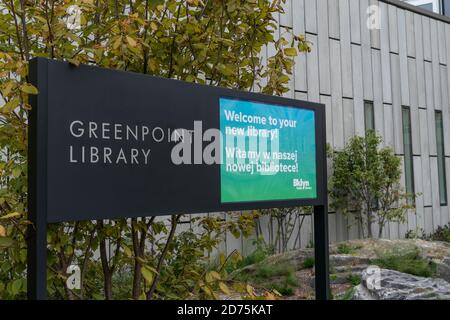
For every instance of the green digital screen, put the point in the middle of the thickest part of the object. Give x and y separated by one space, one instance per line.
268 152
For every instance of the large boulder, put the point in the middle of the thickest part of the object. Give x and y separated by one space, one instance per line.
383 284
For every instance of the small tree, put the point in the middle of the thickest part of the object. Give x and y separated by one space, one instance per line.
366 182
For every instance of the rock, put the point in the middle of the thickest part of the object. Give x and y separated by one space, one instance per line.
383 284
345 260
443 269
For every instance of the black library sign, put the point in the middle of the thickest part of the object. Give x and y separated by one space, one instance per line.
107 144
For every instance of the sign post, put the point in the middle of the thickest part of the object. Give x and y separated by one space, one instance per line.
99 136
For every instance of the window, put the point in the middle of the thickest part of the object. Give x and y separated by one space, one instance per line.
369 119
407 147
431 5
441 158
446 7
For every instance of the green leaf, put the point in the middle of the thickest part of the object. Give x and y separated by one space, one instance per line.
6 242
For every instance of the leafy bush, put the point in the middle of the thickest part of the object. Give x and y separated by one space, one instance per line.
441 234
366 182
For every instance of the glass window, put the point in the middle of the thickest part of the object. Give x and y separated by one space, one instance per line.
431 5
369 118
441 159
407 146
446 7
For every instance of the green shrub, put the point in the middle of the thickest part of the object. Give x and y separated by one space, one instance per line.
441 234
309 263
407 262
354 279
280 277
344 248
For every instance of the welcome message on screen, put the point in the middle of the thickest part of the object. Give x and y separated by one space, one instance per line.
268 152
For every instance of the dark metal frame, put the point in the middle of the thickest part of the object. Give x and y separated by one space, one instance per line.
38 189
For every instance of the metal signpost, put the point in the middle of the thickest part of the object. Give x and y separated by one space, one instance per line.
102 145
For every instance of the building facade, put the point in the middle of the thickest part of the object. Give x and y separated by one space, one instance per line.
383 65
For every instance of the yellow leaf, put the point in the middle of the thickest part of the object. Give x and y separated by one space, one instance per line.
117 43
2 231
74 62
11 215
148 274
224 288
10 105
250 290
291 52
131 41
153 26
7 90
215 275
29 88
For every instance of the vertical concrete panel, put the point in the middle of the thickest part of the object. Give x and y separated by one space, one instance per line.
355 22
393 28
312 70
414 99
336 94
418 35
378 93
424 140
441 41
366 54
349 119
432 132
447 163
385 55
445 108
346 55
311 16
403 227
332 227
428 220
306 237
301 96
291 84
324 48
341 227
435 65
326 100
404 83
366 51
410 38
429 91
396 104
426 38
298 7
435 193
286 16
358 90
388 126
418 187
333 18
375 33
